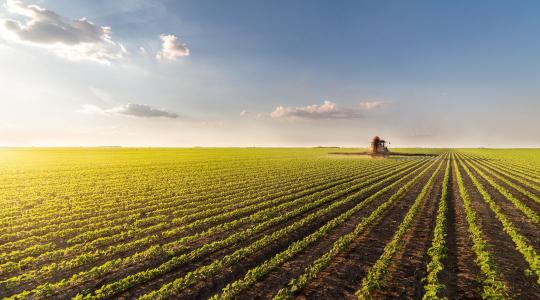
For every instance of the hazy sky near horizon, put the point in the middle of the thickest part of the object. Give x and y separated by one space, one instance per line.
269 73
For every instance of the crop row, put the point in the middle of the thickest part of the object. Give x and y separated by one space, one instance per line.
525 179
155 251
375 276
202 223
527 211
110 207
511 184
173 288
151 187
510 172
183 259
296 284
103 185
134 217
522 245
151 209
437 251
515 161
255 274
492 287
93 256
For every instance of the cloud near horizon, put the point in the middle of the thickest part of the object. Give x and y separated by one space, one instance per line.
73 39
326 111
171 48
372 105
130 109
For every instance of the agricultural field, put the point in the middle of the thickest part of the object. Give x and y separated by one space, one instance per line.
239 223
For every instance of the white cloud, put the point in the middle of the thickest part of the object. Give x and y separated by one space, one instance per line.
73 39
171 48
142 110
327 110
130 109
371 105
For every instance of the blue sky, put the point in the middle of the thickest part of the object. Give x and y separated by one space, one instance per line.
270 73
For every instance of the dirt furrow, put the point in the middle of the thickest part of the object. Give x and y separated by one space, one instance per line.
207 259
516 182
107 278
518 194
342 277
205 289
404 277
461 272
506 256
281 276
520 221
215 284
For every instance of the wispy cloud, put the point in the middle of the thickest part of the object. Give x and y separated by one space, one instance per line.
372 105
73 39
327 110
247 113
171 48
130 109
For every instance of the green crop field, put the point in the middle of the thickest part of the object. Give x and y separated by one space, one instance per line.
240 223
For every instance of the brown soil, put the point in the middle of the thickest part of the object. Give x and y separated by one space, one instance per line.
461 273
508 260
404 277
117 275
343 276
339 280
111 277
280 276
528 188
276 247
238 270
524 226
523 198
